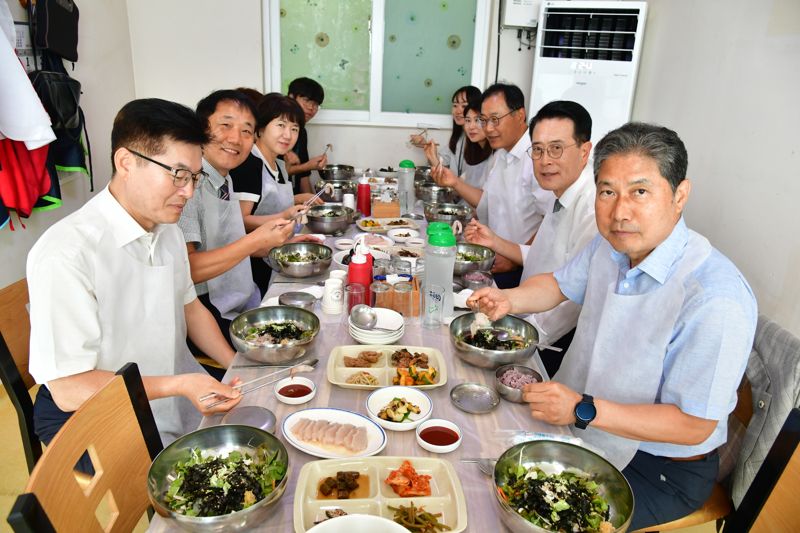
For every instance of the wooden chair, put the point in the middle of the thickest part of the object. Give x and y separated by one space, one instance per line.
15 331
117 428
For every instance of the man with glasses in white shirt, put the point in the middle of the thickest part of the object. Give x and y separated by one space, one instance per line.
560 135
110 283
511 202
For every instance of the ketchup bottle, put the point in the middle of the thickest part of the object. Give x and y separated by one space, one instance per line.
360 271
363 201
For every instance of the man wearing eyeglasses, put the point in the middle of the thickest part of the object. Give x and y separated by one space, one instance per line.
511 203
212 223
110 283
560 134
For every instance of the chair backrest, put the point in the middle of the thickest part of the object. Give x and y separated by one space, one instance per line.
773 371
771 501
117 429
15 332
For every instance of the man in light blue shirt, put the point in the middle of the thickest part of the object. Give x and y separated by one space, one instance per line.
664 334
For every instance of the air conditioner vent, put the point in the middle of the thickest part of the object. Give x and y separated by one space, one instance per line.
585 33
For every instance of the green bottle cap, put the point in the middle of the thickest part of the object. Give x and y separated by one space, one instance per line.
435 227
442 238
405 163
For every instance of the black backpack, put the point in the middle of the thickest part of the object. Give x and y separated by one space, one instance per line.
56 27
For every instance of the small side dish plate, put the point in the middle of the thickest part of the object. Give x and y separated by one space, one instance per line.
383 370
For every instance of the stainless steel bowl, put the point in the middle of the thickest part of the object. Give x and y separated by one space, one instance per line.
336 172
612 484
493 358
510 393
340 188
430 193
273 353
335 225
298 299
486 261
300 269
217 440
448 213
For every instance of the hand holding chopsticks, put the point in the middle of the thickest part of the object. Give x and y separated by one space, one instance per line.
304 366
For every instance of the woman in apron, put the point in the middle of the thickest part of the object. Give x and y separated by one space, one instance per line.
261 182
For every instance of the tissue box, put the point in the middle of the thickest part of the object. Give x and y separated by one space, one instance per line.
385 209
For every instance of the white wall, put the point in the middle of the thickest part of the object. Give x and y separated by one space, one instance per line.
724 74
105 72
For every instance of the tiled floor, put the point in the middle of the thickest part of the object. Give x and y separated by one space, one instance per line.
14 473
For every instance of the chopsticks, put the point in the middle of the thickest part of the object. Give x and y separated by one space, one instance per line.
297 368
327 147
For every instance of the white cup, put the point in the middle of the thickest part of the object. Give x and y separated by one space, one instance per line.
349 200
339 274
332 295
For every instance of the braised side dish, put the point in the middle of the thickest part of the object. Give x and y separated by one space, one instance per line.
398 410
405 358
217 485
364 360
397 223
343 484
564 502
282 332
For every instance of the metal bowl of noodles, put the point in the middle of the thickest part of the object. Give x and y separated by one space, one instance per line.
434 194
336 172
448 213
287 345
300 259
554 457
331 219
340 188
471 257
520 330
220 441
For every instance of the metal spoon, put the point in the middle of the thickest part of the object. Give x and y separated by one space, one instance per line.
365 317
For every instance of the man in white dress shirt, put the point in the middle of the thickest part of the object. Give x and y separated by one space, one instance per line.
511 202
110 283
560 134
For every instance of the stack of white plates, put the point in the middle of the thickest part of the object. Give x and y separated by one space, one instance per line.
386 319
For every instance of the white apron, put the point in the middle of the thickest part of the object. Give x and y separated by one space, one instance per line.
275 197
232 292
145 324
620 343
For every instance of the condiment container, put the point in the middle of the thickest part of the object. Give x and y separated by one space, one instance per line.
439 430
286 390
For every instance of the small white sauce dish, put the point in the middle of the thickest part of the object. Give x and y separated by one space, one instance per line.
402 234
438 422
295 381
415 242
378 399
343 244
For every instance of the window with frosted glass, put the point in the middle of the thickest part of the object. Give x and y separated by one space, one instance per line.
427 53
328 41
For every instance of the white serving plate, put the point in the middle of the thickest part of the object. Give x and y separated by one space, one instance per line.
378 399
447 495
374 340
384 227
386 241
358 523
376 436
338 373
398 234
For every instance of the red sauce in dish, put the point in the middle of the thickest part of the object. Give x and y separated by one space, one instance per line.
294 391
439 436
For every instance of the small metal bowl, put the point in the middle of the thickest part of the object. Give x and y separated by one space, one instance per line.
612 484
300 269
216 440
273 353
330 225
298 299
477 279
434 194
448 213
336 172
485 262
493 358
510 393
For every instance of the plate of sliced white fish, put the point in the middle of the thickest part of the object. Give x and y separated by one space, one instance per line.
332 433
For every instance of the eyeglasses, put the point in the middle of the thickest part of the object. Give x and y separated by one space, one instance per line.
180 176
553 150
494 121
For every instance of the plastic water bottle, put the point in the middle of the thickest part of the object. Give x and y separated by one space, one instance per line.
440 259
405 186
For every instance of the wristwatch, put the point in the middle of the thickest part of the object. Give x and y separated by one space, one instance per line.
585 411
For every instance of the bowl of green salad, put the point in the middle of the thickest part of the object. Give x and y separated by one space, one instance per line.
300 259
547 485
221 478
470 257
274 334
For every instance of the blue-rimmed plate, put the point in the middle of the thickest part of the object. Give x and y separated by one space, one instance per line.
376 436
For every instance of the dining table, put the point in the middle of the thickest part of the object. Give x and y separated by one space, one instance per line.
484 435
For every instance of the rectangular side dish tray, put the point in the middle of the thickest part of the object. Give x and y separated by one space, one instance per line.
383 369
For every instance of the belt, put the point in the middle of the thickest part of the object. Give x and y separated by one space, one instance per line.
693 457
